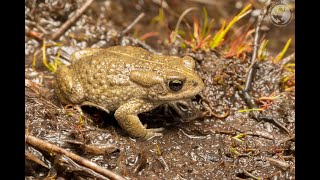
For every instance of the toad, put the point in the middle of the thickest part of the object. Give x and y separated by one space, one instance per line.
128 80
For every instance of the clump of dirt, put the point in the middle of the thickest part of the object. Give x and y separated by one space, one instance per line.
219 141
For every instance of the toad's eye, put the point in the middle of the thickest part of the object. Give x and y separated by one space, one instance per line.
175 85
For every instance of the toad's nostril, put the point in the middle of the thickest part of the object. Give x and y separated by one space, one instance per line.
194 83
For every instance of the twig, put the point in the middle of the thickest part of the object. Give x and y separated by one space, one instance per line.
141 164
163 163
141 15
255 48
207 105
35 159
71 20
251 175
275 122
193 136
38 143
42 29
280 164
272 175
75 167
144 45
223 131
290 138
246 96
36 35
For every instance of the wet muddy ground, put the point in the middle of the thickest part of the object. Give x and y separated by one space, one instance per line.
219 141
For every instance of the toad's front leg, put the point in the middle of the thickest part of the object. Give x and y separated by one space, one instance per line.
127 117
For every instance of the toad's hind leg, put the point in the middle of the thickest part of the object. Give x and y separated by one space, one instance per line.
127 117
67 86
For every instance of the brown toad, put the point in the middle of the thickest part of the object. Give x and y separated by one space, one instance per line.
127 80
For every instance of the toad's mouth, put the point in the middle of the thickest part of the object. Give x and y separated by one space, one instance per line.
185 94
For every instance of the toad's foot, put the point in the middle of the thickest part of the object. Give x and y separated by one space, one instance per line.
151 133
127 117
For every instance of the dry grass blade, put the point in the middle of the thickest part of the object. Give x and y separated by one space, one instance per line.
185 12
218 38
133 23
287 59
251 175
284 50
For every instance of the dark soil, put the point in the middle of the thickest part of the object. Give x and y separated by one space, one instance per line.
196 146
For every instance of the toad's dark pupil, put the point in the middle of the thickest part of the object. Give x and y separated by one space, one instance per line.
175 85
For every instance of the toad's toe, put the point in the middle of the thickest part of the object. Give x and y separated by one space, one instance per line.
151 133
